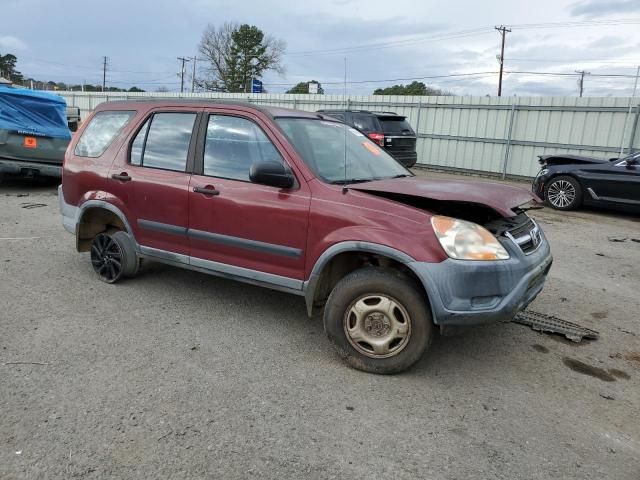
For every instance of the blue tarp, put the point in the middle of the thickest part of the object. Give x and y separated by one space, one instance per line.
33 113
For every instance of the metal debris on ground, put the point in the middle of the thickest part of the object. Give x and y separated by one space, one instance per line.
617 239
33 205
548 323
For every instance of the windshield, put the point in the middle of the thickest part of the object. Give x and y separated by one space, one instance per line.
324 145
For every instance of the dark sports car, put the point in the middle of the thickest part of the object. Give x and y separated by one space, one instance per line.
566 182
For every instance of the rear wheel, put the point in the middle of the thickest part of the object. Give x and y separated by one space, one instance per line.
113 256
378 321
564 193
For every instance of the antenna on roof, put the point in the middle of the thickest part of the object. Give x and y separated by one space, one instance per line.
344 126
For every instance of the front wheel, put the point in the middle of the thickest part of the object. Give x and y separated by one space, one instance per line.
564 193
378 321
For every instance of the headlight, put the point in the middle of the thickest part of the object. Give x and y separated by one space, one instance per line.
542 172
466 240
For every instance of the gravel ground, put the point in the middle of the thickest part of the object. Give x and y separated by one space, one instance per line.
180 375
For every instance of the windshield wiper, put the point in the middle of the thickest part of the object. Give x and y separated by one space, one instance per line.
348 181
402 175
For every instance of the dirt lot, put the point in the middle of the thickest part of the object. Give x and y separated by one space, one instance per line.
180 375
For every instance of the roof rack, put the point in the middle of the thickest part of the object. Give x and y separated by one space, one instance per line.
338 110
351 110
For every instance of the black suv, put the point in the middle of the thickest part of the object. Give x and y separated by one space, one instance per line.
388 129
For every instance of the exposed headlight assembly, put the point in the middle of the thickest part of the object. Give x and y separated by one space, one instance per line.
464 240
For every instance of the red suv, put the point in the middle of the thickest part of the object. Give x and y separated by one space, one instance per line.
300 202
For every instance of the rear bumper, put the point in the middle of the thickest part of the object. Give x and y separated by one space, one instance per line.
30 168
407 159
69 213
467 292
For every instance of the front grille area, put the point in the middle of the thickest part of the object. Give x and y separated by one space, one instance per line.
526 236
521 230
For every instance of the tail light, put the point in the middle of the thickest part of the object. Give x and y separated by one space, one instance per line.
378 138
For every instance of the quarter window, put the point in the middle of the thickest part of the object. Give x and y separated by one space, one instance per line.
100 132
365 123
163 142
233 144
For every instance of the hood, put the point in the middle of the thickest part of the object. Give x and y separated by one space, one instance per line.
497 196
570 160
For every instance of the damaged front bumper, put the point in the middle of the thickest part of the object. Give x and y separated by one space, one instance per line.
463 292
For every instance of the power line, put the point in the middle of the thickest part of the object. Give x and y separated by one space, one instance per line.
462 34
399 43
427 77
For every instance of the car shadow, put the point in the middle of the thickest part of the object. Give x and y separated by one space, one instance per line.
482 348
17 185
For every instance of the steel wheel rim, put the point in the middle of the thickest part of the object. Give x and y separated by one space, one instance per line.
561 193
377 325
106 258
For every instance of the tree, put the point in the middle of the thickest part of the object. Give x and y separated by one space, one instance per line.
8 68
135 89
414 88
303 87
236 54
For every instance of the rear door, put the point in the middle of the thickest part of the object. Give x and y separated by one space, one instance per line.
239 227
154 177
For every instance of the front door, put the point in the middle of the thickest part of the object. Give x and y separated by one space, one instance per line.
235 226
614 181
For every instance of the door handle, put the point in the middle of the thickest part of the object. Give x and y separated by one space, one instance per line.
123 177
208 190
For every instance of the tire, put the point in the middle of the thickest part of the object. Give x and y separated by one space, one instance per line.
563 193
383 307
113 256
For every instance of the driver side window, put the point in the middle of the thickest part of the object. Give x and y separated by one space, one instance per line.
233 144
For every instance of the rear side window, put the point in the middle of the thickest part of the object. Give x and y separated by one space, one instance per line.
233 144
365 123
163 142
100 132
338 116
395 125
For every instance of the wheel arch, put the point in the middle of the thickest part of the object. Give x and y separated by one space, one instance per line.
343 258
96 216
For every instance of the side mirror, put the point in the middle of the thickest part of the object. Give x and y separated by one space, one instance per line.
271 173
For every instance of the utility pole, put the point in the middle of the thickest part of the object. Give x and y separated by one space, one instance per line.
503 33
635 84
104 72
193 75
581 81
183 59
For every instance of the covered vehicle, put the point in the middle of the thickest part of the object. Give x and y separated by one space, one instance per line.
33 132
568 181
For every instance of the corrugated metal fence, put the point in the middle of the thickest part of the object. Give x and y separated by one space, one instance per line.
499 135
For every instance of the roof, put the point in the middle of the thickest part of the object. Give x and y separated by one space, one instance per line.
342 110
273 112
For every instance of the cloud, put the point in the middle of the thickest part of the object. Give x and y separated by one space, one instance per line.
595 8
8 43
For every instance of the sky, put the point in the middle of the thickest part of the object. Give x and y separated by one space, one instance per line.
448 45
